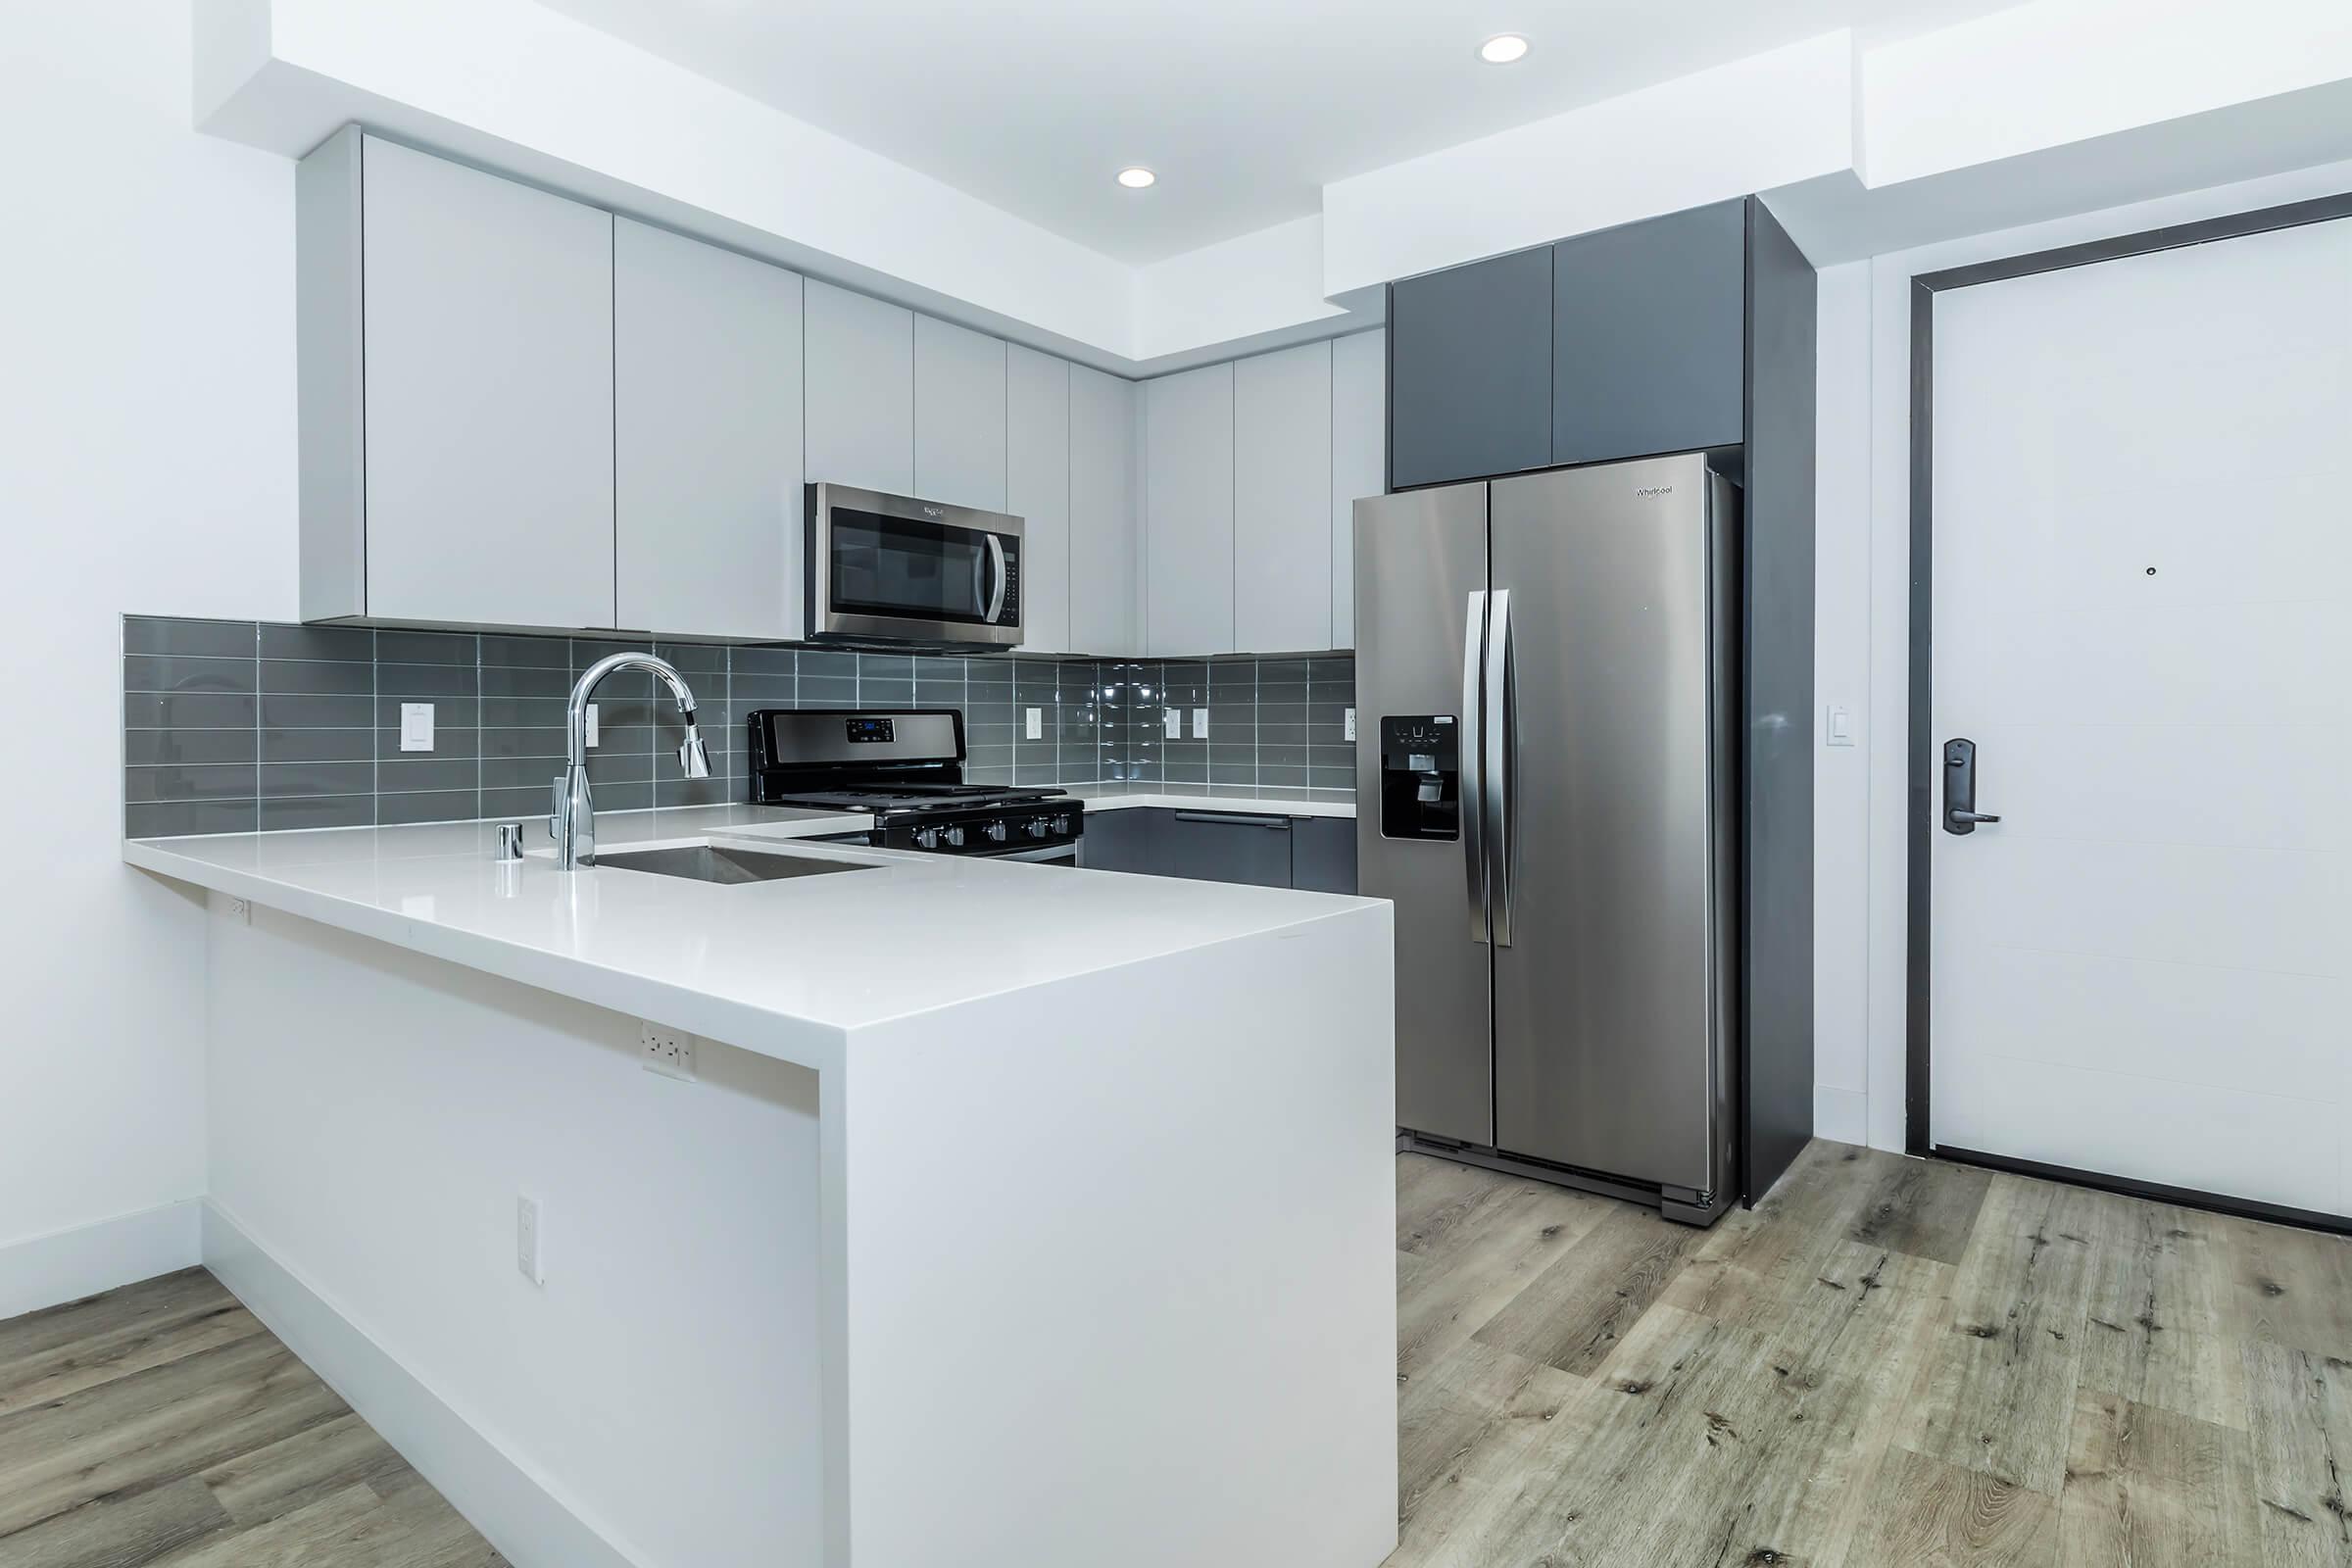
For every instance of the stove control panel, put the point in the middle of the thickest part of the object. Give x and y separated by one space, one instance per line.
1004 830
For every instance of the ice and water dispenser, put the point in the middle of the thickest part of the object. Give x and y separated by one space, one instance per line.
1420 777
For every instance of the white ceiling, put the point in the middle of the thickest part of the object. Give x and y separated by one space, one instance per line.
1246 108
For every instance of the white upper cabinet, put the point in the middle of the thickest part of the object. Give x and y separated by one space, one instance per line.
1282 500
456 348
1188 513
860 390
708 511
1359 433
1105 587
960 414
1037 490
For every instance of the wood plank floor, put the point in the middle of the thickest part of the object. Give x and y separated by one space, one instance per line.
1888 1361
161 1424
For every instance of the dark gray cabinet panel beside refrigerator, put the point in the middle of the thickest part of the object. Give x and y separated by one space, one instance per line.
1687 333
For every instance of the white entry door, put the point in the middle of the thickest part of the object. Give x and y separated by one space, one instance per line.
2142 542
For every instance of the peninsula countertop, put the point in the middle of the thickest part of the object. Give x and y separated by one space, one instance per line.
789 969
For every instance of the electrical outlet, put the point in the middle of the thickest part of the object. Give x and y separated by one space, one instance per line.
528 1257
1172 720
415 727
668 1052
1199 724
592 724
1350 723
1036 724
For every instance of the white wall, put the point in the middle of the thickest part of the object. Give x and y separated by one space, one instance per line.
147 463
1862 638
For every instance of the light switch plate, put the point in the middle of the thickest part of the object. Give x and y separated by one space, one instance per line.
1838 730
526 1239
415 727
1172 720
1350 723
1199 724
592 723
1036 723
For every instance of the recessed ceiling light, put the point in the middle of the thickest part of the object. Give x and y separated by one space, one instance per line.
1138 178
1503 49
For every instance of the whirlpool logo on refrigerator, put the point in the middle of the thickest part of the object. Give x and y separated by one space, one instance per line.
1652 491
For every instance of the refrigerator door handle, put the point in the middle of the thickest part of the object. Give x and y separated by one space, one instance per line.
1473 806
1500 735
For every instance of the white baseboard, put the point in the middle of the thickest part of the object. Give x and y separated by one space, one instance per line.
68 1266
1842 1115
513 1507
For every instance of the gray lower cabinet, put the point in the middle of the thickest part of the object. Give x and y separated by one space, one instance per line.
1227 846
1470 370
708 537
1120 840
1323 854
1649 337
1316 853
456 360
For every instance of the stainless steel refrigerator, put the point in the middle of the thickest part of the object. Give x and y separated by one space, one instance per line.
1547 788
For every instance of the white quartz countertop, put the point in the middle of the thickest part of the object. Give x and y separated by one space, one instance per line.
1198 798
791 967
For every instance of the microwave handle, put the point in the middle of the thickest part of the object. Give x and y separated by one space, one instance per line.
996 577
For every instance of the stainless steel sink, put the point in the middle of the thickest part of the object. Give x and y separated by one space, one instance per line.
703 863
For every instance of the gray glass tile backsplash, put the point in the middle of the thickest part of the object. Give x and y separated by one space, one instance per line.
232 726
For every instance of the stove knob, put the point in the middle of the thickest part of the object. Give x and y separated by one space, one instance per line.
1034 827
926 838
995 832
1061 824
954 836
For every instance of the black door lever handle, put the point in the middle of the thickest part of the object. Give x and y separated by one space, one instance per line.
1960 814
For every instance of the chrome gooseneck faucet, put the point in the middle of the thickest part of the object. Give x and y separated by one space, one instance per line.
571 817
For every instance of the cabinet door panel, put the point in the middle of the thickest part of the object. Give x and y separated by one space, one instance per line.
1214 847
1120 840
1649 337
488 314
1105 526
1470 357
958 416
860 390
706 353
1360 434
1188 513
1037 489
1282 500
1323 854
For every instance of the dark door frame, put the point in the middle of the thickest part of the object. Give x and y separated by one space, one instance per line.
1924 743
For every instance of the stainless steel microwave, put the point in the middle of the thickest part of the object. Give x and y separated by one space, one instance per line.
886 568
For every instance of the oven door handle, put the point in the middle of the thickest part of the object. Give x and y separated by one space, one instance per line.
996 579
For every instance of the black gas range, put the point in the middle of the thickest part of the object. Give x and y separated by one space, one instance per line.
905 768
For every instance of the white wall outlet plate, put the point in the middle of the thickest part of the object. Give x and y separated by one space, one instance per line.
415 727
1036 723
666 1051
1199 724
529 1257
1350 720
592 723
1172 720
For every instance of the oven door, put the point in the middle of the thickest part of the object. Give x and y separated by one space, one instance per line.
895 569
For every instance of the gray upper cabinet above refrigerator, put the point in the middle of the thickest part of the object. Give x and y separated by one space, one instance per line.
1647 331
706 464
455 344
1470 370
